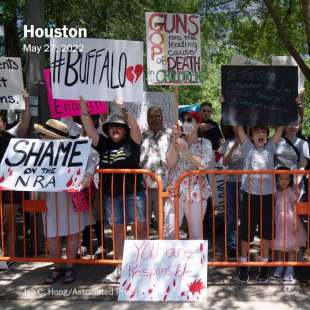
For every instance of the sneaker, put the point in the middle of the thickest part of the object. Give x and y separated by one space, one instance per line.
114 276
263 276
244 274
289 276
277 274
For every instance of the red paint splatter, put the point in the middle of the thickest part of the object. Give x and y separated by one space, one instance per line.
165 297
75 179
124 283
70 182
10 173
173 282
201 247
128 287
132 295
2 178
150 291
196 286
168 289
182 293
69 170
78 172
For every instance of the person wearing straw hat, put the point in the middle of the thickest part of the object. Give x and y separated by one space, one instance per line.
119 150
60 211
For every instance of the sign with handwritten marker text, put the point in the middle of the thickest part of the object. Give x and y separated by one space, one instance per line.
97 70
64 108
164 270
11 84
173 48
259 95
44 165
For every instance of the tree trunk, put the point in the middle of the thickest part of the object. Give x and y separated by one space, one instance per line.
10 39
305 4
286 41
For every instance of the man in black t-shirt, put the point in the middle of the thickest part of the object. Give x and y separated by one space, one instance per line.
209 129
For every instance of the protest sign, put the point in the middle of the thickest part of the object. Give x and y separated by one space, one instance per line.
239 60
259 95
164 270
11 84
290 61
167 102
97 70
44 165
64 108
173 48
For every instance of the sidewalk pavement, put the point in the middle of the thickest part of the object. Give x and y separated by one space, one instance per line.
21 288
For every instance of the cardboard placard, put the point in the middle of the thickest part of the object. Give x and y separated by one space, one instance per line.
259 95
164 270
64 108
11 84
44 165
96 69
173 48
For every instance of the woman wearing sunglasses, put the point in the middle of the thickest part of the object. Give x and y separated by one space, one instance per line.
188 152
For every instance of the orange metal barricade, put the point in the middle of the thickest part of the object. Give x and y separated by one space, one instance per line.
218 255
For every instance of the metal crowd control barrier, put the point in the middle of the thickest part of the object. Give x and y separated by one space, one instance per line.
35 206
25 230
216 253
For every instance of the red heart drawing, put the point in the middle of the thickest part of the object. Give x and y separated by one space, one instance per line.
133 73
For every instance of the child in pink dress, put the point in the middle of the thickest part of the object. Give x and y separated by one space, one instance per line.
290 234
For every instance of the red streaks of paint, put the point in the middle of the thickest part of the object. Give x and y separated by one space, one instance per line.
2 178
132 295
69 170
173 282
168 289
196 286
165 297
10 172
75 179
78 172
70 182
128 287
182 293
201 247
150 291
124 283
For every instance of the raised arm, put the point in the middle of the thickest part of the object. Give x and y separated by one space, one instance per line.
135 131
23 125
88 123
229 152
277 135
172 153
241 133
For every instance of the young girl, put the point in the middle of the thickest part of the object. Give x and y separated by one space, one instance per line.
290 234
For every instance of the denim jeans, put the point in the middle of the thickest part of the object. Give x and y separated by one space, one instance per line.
231 192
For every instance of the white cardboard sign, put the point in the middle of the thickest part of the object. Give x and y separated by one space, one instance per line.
164 270
11 84
96 69
173 48
44 165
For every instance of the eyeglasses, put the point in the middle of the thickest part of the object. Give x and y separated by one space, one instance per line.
187 119
116 126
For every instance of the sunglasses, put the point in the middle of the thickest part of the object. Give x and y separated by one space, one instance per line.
187 119
116 126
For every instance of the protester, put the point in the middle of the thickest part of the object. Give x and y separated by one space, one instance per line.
258 193
120 150
155 143
188 152
233 160
61 219
10 201
290 234
208 128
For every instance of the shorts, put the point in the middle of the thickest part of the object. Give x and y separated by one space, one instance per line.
135 209
255 219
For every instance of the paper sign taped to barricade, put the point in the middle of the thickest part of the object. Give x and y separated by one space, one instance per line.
173 48
97 69
64 108
44 165
164 270
11 84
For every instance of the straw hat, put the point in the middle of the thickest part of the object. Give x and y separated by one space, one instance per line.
53 129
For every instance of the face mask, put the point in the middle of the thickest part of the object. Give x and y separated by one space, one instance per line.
188 127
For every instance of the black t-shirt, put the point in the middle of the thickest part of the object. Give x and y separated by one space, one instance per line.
213 133
5 138
122 155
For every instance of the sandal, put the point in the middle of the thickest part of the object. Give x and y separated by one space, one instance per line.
54 275
69 275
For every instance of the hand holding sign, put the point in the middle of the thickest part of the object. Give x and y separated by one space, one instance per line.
86 181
